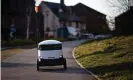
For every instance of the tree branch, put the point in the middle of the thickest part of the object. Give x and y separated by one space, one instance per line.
121 4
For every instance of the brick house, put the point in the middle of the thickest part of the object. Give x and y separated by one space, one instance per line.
95 21
57 15
50 14
124 23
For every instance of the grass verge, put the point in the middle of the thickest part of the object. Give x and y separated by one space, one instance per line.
10 52
110 59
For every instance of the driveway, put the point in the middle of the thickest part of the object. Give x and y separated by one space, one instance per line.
23 67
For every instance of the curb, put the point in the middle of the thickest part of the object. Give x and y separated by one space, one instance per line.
84 67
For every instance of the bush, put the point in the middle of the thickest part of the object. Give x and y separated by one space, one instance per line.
59 39
4 42
20 42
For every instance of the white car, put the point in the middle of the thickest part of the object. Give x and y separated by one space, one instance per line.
87 36
90 36
50 54
102 36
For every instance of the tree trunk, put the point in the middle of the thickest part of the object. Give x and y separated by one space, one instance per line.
28 23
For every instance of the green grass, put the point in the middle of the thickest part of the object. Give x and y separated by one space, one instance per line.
8 53
110 59
16 50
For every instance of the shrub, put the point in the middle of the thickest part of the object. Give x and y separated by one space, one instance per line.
20 42
59 39
4 42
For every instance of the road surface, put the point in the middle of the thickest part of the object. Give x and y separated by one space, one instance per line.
23 67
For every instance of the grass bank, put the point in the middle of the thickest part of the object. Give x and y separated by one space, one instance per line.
110 59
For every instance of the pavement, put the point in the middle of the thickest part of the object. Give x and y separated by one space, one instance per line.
23 67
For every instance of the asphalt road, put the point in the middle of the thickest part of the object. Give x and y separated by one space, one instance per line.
23 67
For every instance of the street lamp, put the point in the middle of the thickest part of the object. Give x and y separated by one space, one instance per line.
61 21
37 9
60 13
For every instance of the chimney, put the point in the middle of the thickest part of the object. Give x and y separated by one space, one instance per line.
62 2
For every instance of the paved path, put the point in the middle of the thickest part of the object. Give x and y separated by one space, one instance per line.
23 67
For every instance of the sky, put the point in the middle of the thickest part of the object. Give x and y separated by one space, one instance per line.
100 5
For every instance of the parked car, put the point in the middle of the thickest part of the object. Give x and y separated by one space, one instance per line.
101 36
90 36
87 36
67 33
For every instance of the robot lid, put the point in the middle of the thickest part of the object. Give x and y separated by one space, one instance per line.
48 42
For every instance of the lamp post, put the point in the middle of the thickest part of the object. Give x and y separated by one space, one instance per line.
37 9
61 20
60 13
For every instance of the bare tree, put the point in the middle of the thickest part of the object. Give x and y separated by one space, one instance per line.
29 10
111 22
118 6
28 16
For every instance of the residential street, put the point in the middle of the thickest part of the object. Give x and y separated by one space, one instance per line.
23 67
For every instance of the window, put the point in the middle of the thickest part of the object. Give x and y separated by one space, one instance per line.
50 47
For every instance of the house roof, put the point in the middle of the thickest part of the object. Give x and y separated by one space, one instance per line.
54 7
85 9
128 12
80 10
